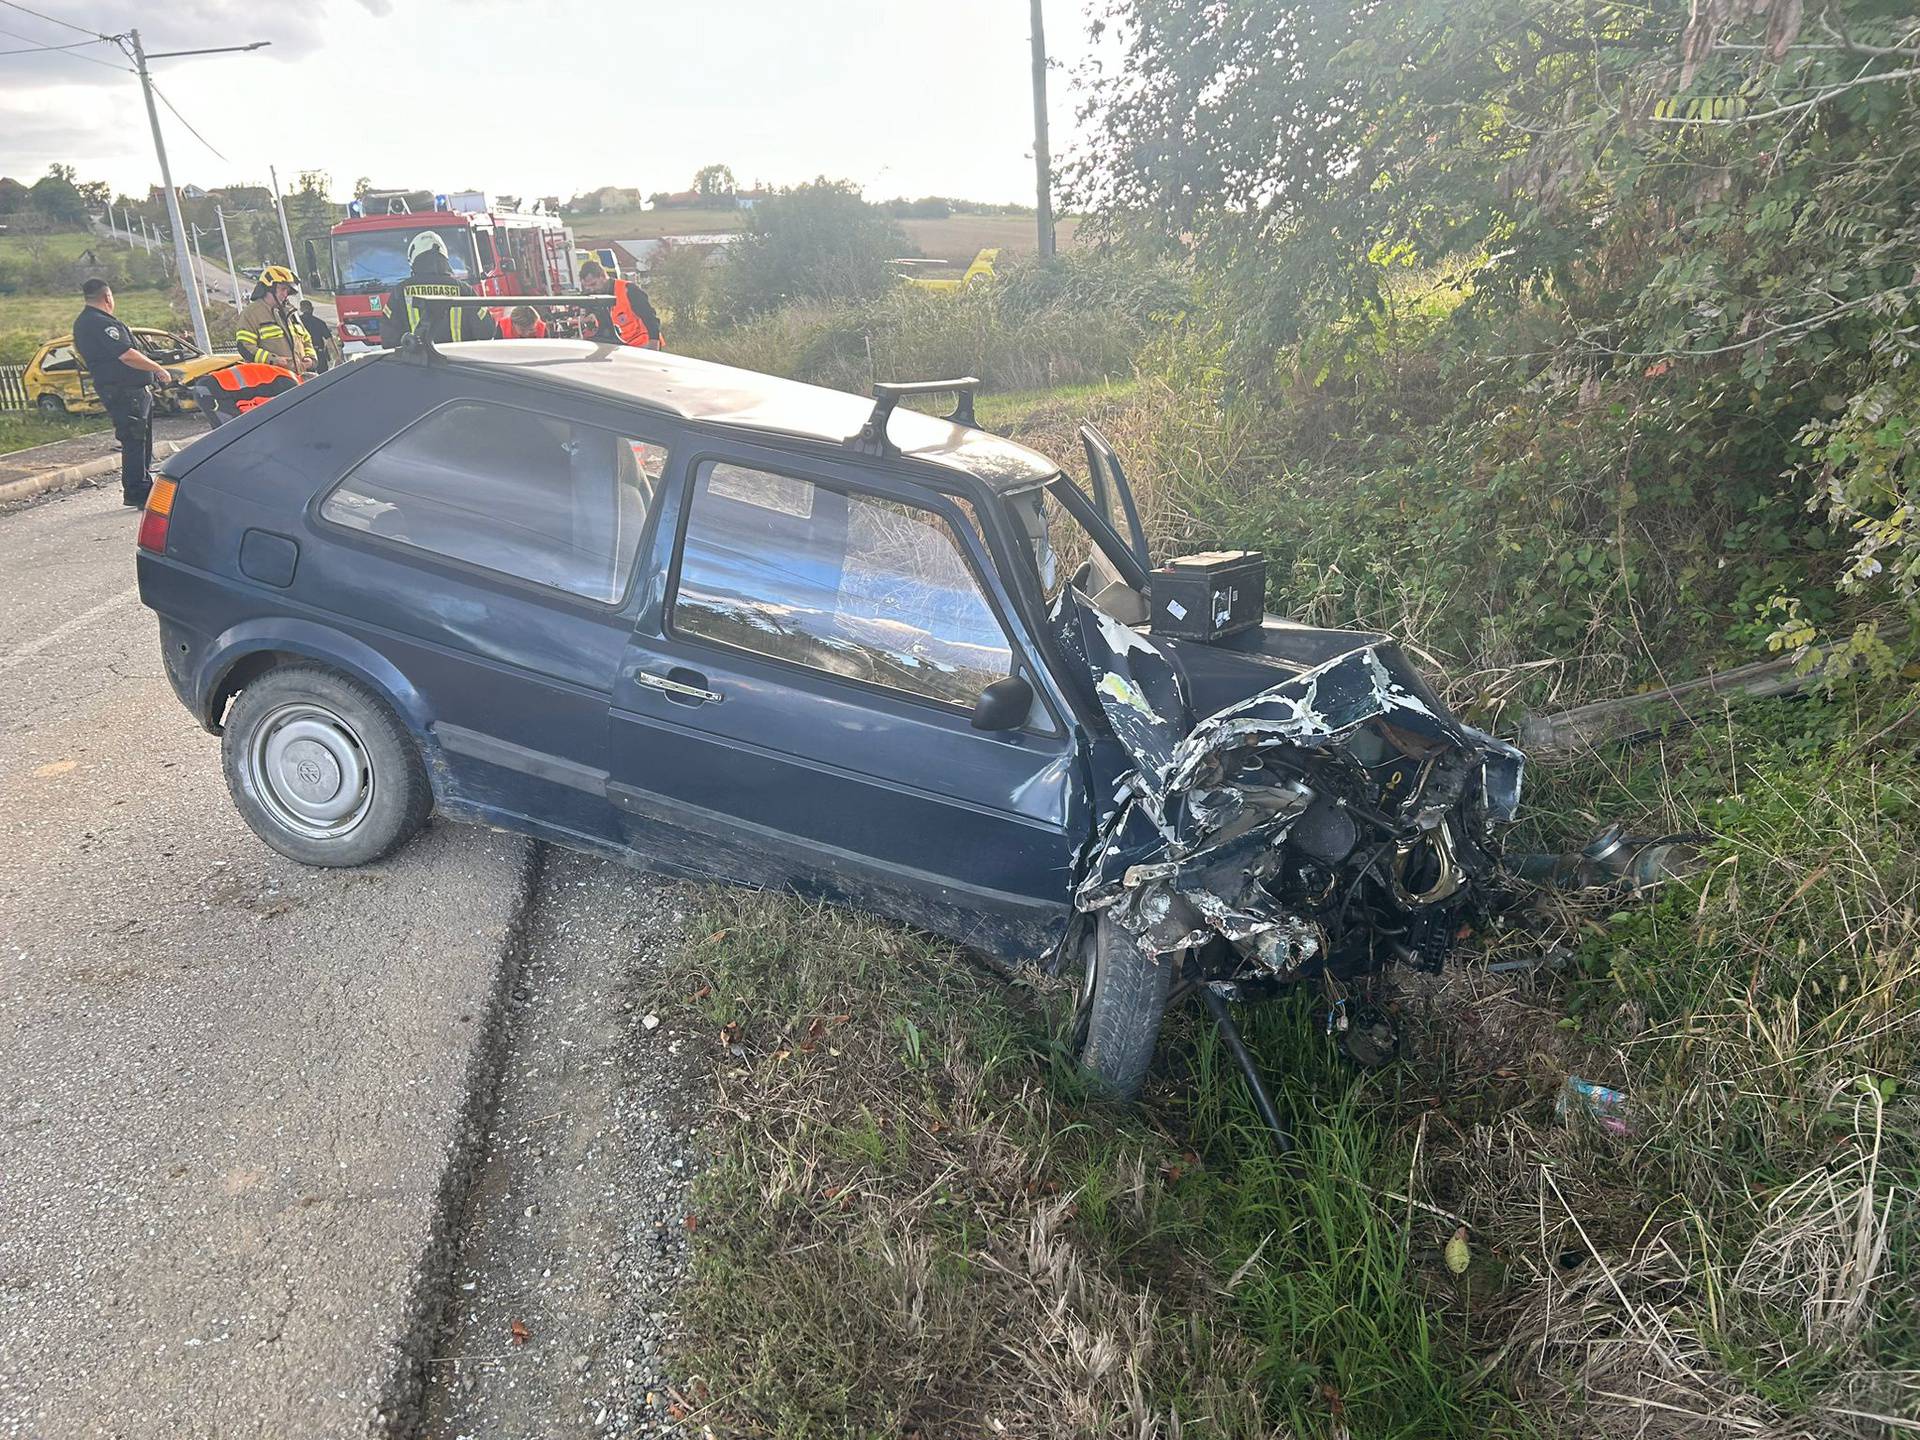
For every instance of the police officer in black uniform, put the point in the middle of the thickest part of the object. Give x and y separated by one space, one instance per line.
121 374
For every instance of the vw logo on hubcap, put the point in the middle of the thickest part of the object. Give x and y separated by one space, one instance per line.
312 774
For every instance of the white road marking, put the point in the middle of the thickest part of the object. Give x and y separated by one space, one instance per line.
60 632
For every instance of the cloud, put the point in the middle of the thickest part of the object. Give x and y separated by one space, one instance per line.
295 31
34 130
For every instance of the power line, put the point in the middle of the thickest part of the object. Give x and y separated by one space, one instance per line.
189 124
52 19
68 52
34 49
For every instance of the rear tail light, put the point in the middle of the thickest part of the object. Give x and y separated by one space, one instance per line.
153 524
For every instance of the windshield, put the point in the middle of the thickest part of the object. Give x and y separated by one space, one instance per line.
164 348
377 259
1060 546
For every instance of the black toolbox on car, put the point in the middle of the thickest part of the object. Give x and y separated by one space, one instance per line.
1210 595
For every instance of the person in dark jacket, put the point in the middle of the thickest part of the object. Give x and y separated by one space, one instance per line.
429 273
321 334
121 373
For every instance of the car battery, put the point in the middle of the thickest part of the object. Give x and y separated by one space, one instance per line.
1210 595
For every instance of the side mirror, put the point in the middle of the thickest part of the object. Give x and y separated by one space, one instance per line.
1003 705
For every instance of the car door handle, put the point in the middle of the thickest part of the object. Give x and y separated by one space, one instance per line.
678 689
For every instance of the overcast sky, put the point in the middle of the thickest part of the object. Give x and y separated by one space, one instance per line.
537 97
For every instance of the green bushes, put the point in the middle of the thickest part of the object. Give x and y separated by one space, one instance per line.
1035 326
814 243
53 265
1534 550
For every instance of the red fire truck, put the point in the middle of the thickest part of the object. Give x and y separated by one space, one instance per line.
498 252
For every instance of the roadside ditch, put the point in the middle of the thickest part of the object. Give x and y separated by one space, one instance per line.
571 1238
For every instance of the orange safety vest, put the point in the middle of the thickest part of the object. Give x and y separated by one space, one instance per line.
507 332
632 329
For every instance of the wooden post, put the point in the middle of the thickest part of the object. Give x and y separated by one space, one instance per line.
1042 161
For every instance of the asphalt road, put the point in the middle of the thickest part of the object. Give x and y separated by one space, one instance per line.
239 1094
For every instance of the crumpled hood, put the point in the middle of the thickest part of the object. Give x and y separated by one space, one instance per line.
1195 842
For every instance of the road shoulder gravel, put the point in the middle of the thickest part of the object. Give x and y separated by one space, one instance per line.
575 1234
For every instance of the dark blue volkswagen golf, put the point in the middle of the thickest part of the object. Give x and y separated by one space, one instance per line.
735 628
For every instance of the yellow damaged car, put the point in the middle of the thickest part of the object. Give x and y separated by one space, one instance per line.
58 384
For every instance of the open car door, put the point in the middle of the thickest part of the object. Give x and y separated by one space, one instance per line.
1113 496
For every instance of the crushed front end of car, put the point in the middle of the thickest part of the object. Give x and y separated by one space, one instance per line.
1332 821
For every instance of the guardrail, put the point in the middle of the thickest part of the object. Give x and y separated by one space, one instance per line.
13 387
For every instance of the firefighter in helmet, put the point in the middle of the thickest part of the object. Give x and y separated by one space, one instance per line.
269 331
430 273
633 317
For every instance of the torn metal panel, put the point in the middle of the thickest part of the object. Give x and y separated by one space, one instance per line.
1322 822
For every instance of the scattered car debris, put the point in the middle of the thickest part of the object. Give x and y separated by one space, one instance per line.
1613 859
1599 1103
1556 958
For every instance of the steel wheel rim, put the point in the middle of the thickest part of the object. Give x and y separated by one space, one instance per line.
1089 980
310 770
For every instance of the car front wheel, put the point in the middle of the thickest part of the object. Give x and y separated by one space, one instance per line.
1123 995
51 404
321 769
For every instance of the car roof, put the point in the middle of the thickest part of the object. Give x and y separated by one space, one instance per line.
712 394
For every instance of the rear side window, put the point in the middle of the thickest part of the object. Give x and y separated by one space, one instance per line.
853 585
532 496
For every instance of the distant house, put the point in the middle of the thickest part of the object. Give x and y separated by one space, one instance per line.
192 192
639 257
607 197
694 200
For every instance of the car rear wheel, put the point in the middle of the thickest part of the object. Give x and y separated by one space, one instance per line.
51 404
1123 995
321 769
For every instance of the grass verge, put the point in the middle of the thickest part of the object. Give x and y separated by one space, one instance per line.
915 1222
22 429
28 321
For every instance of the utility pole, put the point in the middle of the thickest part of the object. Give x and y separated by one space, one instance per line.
199 266
140 58
227 245
1042 161
281 206
200 335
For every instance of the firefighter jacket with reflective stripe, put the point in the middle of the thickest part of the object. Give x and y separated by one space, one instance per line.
451 322
271 334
